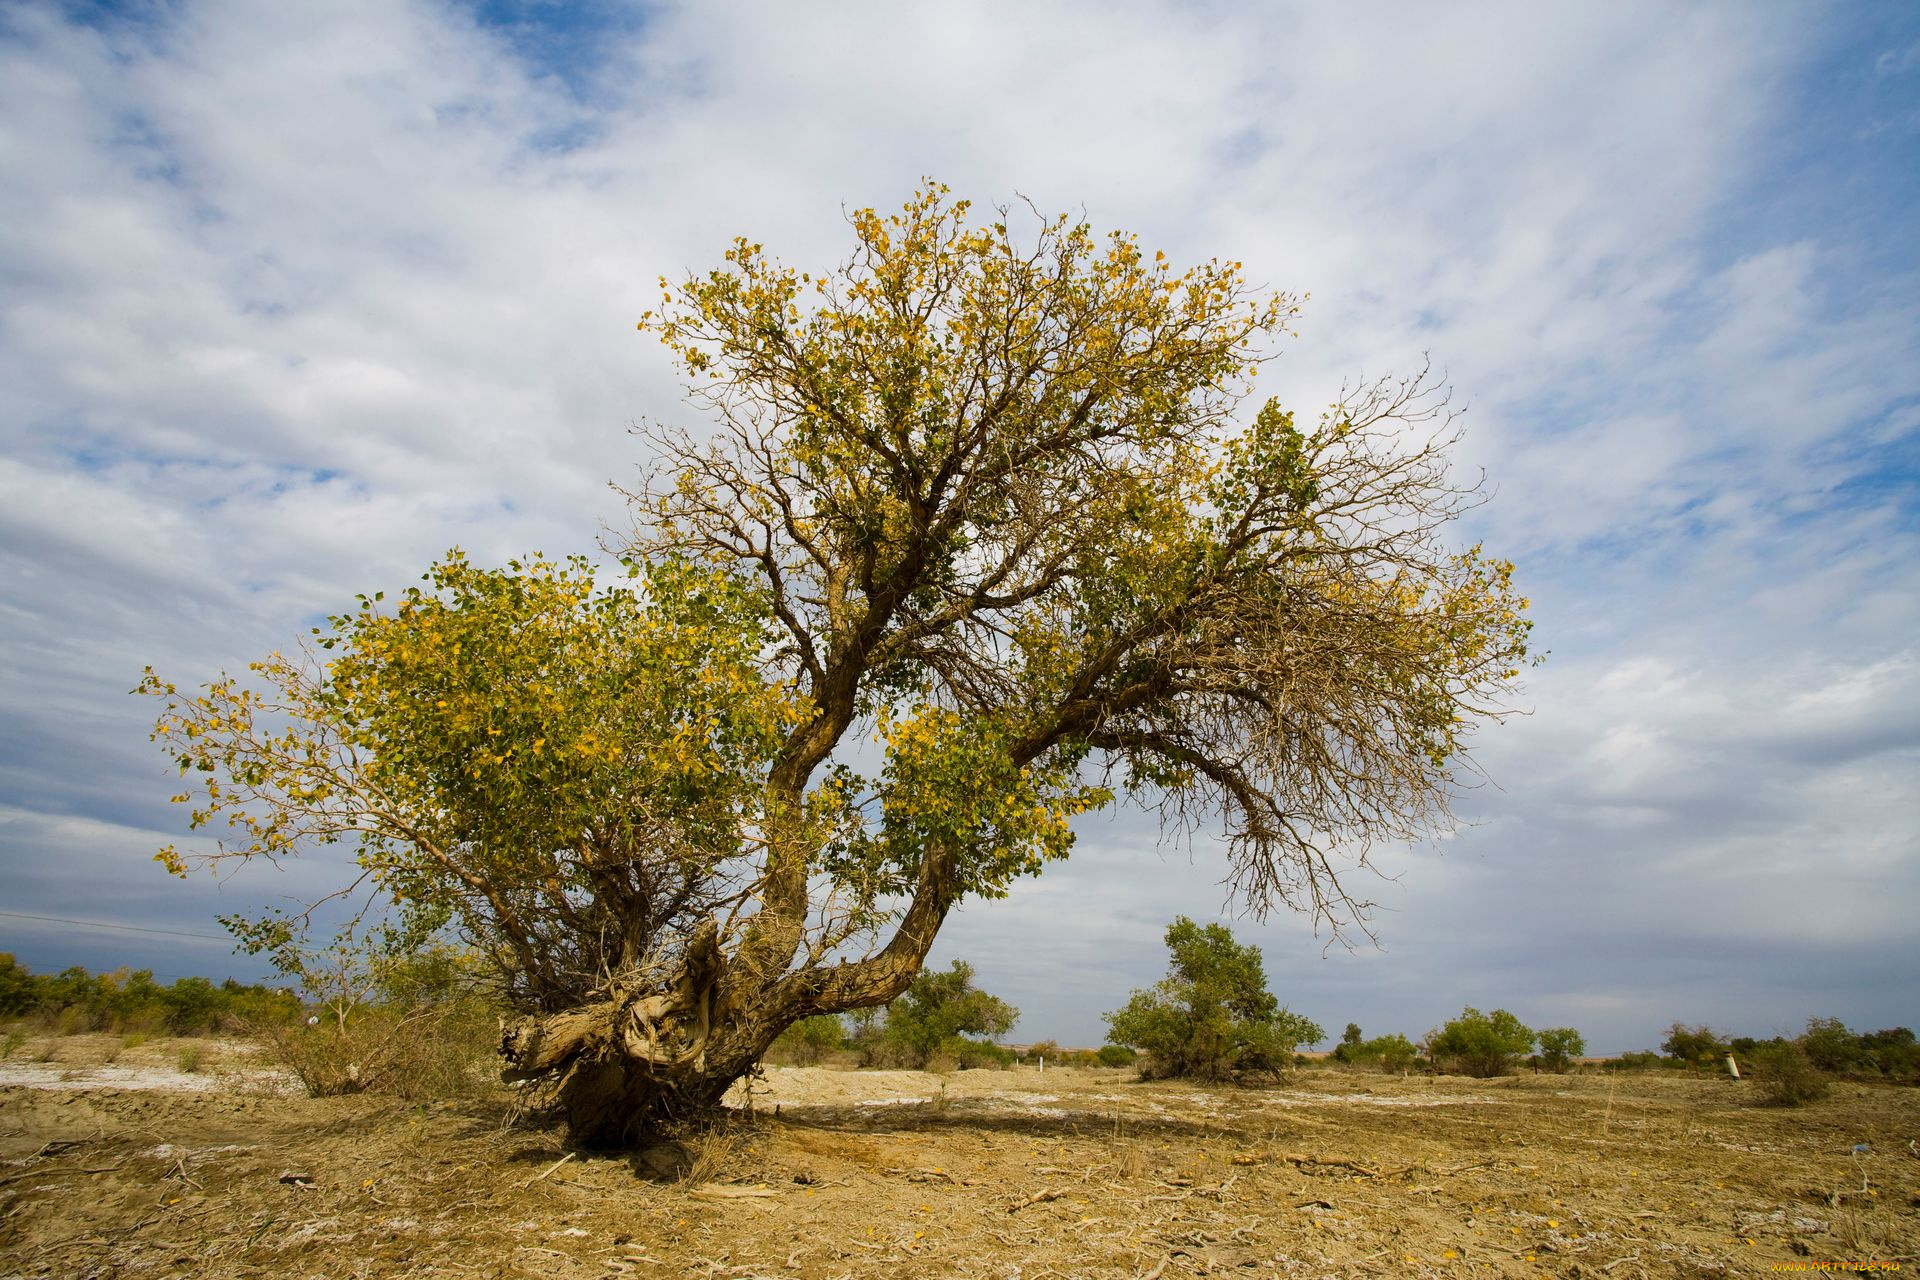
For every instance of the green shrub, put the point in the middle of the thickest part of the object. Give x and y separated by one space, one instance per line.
1116 1055
967 1053
19 992
188 1059
1645 1060
1480 1044
939 1015
1394 1054
1042 1051
1695 1046
1211 1017
1894 1053
1559 1046
130 1001
808 1041
1786 1076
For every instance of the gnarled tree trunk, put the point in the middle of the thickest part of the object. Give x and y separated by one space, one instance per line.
662 1048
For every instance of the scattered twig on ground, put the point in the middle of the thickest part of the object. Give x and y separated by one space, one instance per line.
1039 1197
1335 1162
725 1191
55 1173
549 1169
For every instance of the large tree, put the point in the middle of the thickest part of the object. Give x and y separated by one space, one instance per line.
984 509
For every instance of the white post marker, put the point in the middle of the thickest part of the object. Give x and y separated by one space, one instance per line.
1733 1068
1043 1065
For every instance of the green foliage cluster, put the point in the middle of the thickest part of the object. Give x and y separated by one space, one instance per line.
129 1000
938 1022
1116 1055
1829 1048
1645 1060
1211 1017
1390 1053
1786 1074
809 1041
1891 1053
1559 1046
1480 1044
1790 1071
1695 1046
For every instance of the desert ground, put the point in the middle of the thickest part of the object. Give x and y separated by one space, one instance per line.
114 1162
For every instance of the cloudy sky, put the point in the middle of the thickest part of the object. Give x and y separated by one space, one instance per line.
294 297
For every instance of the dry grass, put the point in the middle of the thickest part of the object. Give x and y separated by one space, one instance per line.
1079 1173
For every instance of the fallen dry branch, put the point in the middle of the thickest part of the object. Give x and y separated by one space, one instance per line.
548 1171
1039 1197
54 1173
1337 1162
727 1191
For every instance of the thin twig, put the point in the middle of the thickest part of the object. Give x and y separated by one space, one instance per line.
549 1169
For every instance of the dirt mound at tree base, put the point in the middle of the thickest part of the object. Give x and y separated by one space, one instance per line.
1074 1173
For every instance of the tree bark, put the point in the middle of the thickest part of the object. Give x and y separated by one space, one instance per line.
662 1051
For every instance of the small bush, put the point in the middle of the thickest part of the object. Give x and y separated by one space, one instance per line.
969 1054
808 1041
1211 1017
1645 1060
1481 1044
189 1059
939 1014
1043 1051
15 1038
1695 1047
1786 1076
133 1039
1394 1054
1116 1055
1559 1046
421 1055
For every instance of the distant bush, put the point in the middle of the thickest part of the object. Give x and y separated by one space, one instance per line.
1391 1053
129 1000
1894 1052
1480 1044
1116 1055
1786 1075
1042 1051
934 1022
969 1054
808 1041
1890 1054
1645 1060
1211 1017
1695 1046
1559 1046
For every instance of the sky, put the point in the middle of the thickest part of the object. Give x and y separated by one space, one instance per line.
295 297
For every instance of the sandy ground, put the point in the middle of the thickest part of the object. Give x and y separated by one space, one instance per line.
1016 1175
